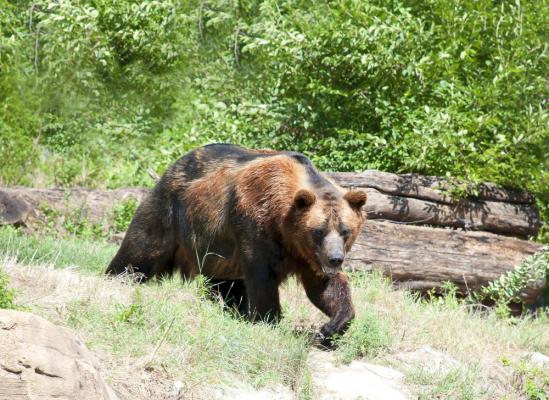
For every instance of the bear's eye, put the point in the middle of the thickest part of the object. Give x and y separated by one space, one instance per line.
345 232
319 233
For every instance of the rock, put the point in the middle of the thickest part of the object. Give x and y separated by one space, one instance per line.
538 359
358 380
277 393
40 360
430 360
13 209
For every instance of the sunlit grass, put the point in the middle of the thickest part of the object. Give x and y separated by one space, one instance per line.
169 328
87 255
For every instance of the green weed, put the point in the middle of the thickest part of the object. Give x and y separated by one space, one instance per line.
7 295
532 381
122 214
508 287
368 336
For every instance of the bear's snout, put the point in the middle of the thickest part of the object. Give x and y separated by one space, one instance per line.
336 260
333 253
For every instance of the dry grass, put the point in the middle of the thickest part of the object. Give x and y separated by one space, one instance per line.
201 346
148 337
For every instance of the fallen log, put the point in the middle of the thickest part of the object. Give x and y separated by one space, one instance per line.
421 258
428 187
491 216
94 204
410 198
424 200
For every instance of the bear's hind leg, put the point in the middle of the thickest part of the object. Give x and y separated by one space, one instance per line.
145 253
258 260
264 301
233 293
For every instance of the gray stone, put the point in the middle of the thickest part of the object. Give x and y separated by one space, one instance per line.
538 359
358 380
40 360
430 360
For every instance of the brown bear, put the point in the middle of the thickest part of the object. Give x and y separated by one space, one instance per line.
249 219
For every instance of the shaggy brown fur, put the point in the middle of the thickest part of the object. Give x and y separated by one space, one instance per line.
248 219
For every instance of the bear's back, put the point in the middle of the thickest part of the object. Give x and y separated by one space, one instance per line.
206 159
215 180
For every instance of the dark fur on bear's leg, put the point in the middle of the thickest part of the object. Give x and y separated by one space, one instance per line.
263 298
332 295
149 245
233 293
258 257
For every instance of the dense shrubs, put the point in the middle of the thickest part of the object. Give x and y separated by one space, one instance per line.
96 92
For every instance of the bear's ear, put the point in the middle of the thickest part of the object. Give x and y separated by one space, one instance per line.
304 199
356 198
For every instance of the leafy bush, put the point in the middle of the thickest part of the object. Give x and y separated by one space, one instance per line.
123 214
508 287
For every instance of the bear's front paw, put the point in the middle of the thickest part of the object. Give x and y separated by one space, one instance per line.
322 342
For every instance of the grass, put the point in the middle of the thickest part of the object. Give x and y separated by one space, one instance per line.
201 343
458 383
150 336
86 255
7 295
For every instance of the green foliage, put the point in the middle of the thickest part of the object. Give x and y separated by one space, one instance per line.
131 313
531 381
96 92
7 295
368 335
123 213
74 222
444 298
508 287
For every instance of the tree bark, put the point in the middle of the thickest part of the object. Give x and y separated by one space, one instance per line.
422 258
424 200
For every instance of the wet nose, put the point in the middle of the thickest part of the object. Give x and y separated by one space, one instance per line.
336 261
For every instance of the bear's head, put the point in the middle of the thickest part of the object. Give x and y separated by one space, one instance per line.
323 225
